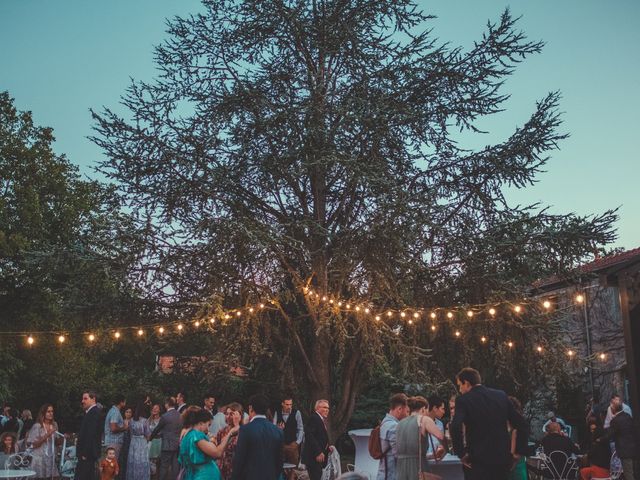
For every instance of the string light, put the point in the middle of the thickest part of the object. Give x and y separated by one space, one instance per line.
196 323
117 335
61 339
30 340
483 339
449 314
492 311
389 313
433 328
92 337
324 299
227 316
579 298
457 333
510 344
570 353
410 322
433 315
469 314
339 304
416 315
238 313
539 349
161 330
546 304
348 306
180 327
357 308
212 320
262 305
517 309
251 310
366 310
140 332
377 318
331 301
402 314
603 356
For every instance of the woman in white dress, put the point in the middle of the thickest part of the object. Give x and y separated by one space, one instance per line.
42 439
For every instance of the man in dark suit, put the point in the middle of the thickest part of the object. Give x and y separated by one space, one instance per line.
88 443
258 453
622 432
169 427
484 412
316 440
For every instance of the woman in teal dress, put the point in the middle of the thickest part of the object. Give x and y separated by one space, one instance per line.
519 470
197 452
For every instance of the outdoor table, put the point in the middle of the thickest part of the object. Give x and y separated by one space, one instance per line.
449 468
17 473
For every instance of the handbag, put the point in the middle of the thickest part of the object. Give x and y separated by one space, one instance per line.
424 475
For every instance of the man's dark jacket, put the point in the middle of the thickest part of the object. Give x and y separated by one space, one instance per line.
485 412
89 435
623 433
258 453
316 439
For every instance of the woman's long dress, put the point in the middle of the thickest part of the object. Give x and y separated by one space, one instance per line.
138 466
44 457
409 450
197 465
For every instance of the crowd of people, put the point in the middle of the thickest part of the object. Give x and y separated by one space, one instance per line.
147 440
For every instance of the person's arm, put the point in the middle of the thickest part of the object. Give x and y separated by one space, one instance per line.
215 451
156 431
300 430
519 424
430 427
117 469
36 439
311 441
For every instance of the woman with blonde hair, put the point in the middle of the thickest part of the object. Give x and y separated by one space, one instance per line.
42 438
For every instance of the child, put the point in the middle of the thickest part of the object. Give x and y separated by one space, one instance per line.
109 467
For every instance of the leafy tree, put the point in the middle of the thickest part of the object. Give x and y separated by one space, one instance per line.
291 144
65 252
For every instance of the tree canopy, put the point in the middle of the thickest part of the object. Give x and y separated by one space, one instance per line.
291 144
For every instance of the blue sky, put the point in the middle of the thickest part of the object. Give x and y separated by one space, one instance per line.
60 58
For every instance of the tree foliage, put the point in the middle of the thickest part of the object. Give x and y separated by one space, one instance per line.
65 256
301 143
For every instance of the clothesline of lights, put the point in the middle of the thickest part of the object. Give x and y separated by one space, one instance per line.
411 314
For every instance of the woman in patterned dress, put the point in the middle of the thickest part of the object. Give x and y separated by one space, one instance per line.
42 438
233 418
138 465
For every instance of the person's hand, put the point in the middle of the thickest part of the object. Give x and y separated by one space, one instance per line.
236 418
320 458
234 430
440 452
331 448
515 458
465 461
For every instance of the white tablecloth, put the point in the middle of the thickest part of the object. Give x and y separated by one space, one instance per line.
17 473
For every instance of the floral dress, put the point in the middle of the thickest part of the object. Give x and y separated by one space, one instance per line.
226 461
138 466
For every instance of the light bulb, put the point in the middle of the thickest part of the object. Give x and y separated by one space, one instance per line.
377 318
61 339
180 326
546 304
410 322
469 314
449 314
510 344
30 340
117 334
357 309
92 337
571 353
197 323
262 305
492 311
238 313
389 313
457 334
402 314
539 349
366 310
603 356
251 310
416 315
161 330
433 328
483 339
579 298
517 309
140 332
433 315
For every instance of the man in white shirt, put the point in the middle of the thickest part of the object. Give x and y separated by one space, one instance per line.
398 409
615 399
436 412
290 422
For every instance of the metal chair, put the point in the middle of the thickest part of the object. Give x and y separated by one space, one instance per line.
18 461
559 466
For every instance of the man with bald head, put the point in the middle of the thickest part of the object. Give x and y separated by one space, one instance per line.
557 441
